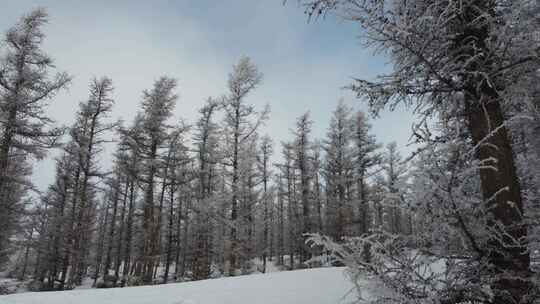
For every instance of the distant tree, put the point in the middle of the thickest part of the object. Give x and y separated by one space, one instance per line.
302 146
240 124
280 250
175 163
206 140
129 156
158 104
338 170
366 158
55 236
88 137
264 166
392 180
287 182
318 196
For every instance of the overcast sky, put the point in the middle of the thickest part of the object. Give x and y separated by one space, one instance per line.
305 65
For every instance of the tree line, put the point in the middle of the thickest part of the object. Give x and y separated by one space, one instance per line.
181 201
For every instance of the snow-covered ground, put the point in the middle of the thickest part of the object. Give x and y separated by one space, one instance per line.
311 286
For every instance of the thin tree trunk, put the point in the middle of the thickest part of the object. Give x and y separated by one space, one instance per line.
148 221
178 241
26 253
120 238
112 228
185 240
101 241
170 228
129 229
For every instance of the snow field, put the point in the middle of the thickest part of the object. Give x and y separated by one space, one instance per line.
310 286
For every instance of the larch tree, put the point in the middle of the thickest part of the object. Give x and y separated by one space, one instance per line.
241 123
88 135
302 163
206 140
460 59
176 160
392 182
338 170
55 236
280 235
158 104
366 158
26 87
287 180
264 164
318 191
130 163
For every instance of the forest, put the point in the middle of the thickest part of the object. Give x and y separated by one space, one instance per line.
456 221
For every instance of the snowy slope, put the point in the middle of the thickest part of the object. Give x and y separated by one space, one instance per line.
312 286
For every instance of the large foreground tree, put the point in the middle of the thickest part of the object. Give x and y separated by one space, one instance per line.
25 90
457 61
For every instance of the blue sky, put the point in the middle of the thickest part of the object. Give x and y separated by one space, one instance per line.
305 65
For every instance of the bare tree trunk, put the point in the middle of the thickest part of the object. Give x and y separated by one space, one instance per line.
129 228
120 238
266 215
148 221
281 225
185 239
70 246
26 253
234 199
170 227
293 219
178 240
101 243
112 228
272 249
58 231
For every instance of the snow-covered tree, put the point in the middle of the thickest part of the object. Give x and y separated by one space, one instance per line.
302 164
206 140
240 125
264 166
459 61
366 159
157 105
338 170
88 137
26 88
